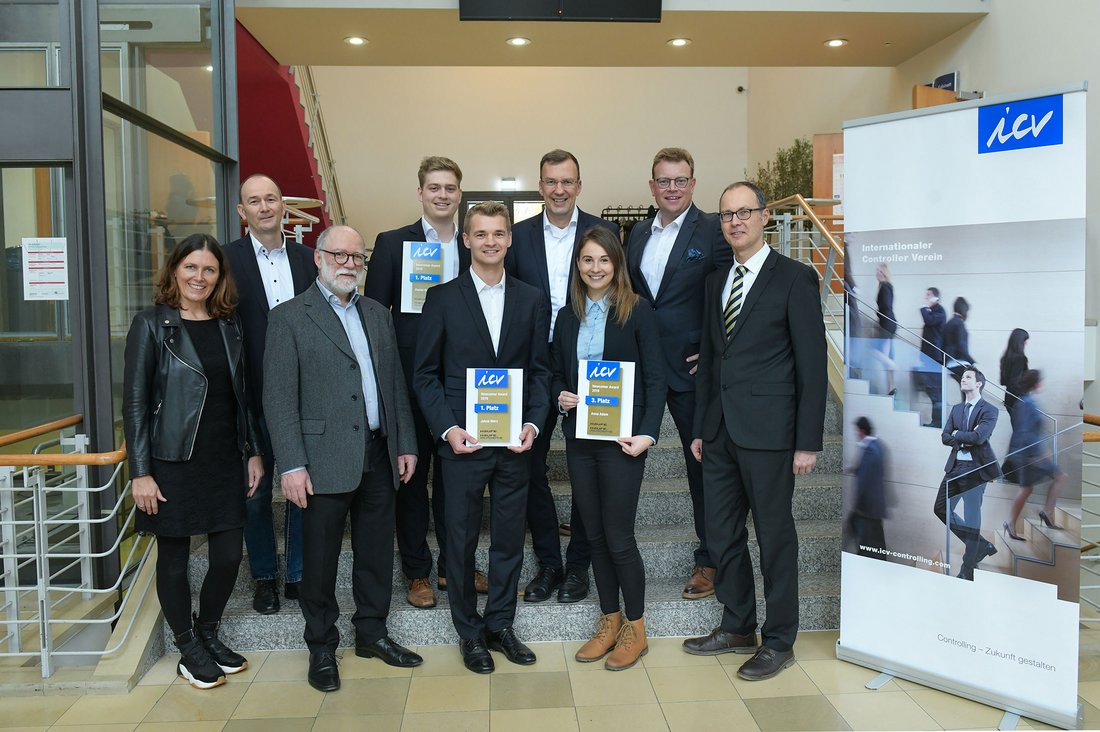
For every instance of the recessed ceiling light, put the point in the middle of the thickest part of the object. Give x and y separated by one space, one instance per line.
355 41
679 42
836 42
518 41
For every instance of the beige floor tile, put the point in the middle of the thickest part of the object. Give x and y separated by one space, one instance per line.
446 722
1090 692
550 657
367 696
709 716
24 729
679 684
210 726
118 727
279 700
632 718
612 687
883 710
570 648
791 682
163 672
466 693
1092 716
791 713
954 712
355 723
1088 668
256 661
31 711
530 691
284 666
814 645
113 709
665 652
288 724
841 677
440 661
354 667
183 703
535 720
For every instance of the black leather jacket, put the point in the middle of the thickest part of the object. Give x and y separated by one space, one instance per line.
164 389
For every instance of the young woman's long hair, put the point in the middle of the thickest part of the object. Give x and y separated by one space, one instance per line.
620 294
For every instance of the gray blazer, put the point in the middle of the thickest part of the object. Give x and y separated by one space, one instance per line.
313 394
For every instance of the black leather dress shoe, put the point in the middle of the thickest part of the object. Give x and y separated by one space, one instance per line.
986 551
390 652
721 641
291 590
475 656
324 674
265 600
575 586
546 580
511 646
766 663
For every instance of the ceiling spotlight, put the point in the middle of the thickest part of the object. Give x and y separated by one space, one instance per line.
355 41
679 42
518 41
836 42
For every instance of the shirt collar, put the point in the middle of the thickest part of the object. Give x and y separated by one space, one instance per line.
571 225
591 306
677 222
431 234
756 262
260 248
332 299
481 286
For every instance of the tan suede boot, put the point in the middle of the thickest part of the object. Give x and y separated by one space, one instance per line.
603 640
630 646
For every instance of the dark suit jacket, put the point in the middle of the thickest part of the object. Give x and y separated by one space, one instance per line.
698 251
974 437
635 341
871 482
956 340
769 381
932 332
313 399
252 306
454 336
384 285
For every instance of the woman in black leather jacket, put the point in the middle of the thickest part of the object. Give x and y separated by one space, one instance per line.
189 433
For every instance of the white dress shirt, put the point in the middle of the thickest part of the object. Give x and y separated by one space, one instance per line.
752 268
492 306
657 249
275 272
559 262
450 249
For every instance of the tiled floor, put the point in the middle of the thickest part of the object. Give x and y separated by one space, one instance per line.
669 690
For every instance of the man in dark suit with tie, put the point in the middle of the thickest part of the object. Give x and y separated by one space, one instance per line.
759 422
440 193
343 434
269 269
969 467
669 257
542 255
934 317
483 319
869 506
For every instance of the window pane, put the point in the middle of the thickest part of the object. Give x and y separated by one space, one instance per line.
30 36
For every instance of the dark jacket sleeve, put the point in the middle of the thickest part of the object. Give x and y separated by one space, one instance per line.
560 358
651 368
138 393
281 391
252 425
380 279
810 360
428 368
536 404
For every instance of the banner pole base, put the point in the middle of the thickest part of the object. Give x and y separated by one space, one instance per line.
880 681
1009 721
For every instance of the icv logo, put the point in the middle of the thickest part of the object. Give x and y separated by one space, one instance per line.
488 378
603 371
426 251
1022 124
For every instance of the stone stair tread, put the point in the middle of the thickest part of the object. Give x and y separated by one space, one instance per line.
679 485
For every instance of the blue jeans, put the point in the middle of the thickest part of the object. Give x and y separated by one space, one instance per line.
259 529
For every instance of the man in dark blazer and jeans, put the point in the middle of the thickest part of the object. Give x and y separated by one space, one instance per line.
269 269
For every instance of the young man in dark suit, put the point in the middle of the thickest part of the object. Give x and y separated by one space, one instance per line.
542 256
269 269
440 192
669 257
758 423
483 319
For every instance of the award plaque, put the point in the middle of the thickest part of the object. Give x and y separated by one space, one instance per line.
606 407
494 406
421 269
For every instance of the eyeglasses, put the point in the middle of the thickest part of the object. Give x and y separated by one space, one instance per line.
741 213
343 257
666 182
565 182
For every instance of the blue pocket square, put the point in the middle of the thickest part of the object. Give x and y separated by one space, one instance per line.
694 255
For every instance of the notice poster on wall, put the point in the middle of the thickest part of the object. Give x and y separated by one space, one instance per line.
45 268
494 406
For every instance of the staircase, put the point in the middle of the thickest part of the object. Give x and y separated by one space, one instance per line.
666 539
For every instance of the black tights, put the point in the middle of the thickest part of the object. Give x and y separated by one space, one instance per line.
224 549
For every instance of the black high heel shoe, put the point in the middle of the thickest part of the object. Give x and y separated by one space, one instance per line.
1047 522
1010 533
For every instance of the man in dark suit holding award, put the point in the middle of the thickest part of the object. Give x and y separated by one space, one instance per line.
269 270
542 255
440 193
969 467
344 439
483 319
759 422
669 257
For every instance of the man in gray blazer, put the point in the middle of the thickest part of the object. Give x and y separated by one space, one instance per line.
342 430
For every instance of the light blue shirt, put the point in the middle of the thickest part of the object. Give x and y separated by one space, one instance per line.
357 336
590 334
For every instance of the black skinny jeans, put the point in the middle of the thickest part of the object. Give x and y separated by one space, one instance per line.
224 549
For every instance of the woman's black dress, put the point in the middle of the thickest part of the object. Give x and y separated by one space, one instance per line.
206 493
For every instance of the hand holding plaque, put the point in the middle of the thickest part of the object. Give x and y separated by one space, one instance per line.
494 406
605 408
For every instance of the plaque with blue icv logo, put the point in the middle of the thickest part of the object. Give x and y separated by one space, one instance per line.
606 407
494 406
1021 124
422 268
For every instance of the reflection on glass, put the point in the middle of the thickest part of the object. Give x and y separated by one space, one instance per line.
30 36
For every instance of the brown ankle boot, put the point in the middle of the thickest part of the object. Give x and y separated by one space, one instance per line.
630 646
603 640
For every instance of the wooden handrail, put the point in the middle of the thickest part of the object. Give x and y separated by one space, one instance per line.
798 200
1090 437
42 429
69 458
1091 418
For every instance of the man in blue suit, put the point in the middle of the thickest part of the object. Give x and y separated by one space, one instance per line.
869 508
542 256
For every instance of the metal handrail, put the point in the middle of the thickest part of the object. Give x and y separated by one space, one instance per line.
797 201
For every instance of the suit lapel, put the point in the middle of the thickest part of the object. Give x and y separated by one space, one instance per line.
477 315
634 261
251 271
299 265
683 238
758 287
321 313
538 248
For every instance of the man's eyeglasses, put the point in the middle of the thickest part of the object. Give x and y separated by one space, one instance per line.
666 182
343 257
741 213
565 182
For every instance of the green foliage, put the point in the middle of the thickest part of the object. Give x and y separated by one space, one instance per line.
791 172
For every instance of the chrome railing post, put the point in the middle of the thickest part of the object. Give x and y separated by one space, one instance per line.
36 481
784 221
11 561
83 514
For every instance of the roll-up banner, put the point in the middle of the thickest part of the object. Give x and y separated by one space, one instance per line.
965 239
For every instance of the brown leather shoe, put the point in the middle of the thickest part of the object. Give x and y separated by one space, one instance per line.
721 641
629 647
603 640
481 582
701 583
420 593
765 663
